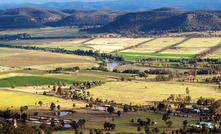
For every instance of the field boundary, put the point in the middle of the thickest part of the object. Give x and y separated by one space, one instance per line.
172 46
209 51
87 40
134 46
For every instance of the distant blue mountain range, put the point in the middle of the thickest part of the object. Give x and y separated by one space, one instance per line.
124 5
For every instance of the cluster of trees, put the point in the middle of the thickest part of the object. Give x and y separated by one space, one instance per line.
23 108
213 79
146 72
146 123
109 126
86 85
205 101
74 69
163 78
78 124
101 67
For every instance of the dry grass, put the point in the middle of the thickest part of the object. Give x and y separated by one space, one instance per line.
44 60
200 42
140 92
10 52
112 44
6 69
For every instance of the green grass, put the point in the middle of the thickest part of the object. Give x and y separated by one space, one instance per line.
124 126
137 55
30 81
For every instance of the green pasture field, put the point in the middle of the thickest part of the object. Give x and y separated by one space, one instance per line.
138 55
30 81
124 126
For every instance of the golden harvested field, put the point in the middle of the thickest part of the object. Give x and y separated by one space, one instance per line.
200 42
112 44
194 46
140 92
156 45
184 50
45 60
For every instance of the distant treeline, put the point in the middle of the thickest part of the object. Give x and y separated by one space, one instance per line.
92 53
15 36
186 61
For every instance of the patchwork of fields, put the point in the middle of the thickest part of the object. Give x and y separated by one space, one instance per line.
186 49
133 48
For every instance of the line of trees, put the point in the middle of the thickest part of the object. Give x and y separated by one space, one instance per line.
92 53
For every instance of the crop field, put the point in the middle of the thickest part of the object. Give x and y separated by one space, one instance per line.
195 45
112 44
14 100
44 60
155 45
201 42
186 49
140 92
47 32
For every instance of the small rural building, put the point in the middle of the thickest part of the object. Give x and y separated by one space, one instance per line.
76 90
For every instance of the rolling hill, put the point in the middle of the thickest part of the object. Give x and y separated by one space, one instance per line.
129 5
35 17
164 20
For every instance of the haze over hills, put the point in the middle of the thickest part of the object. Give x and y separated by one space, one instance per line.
120 4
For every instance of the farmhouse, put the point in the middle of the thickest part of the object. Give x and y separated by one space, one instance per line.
76 90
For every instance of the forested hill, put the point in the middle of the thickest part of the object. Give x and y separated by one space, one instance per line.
156 21
35 17
164 20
